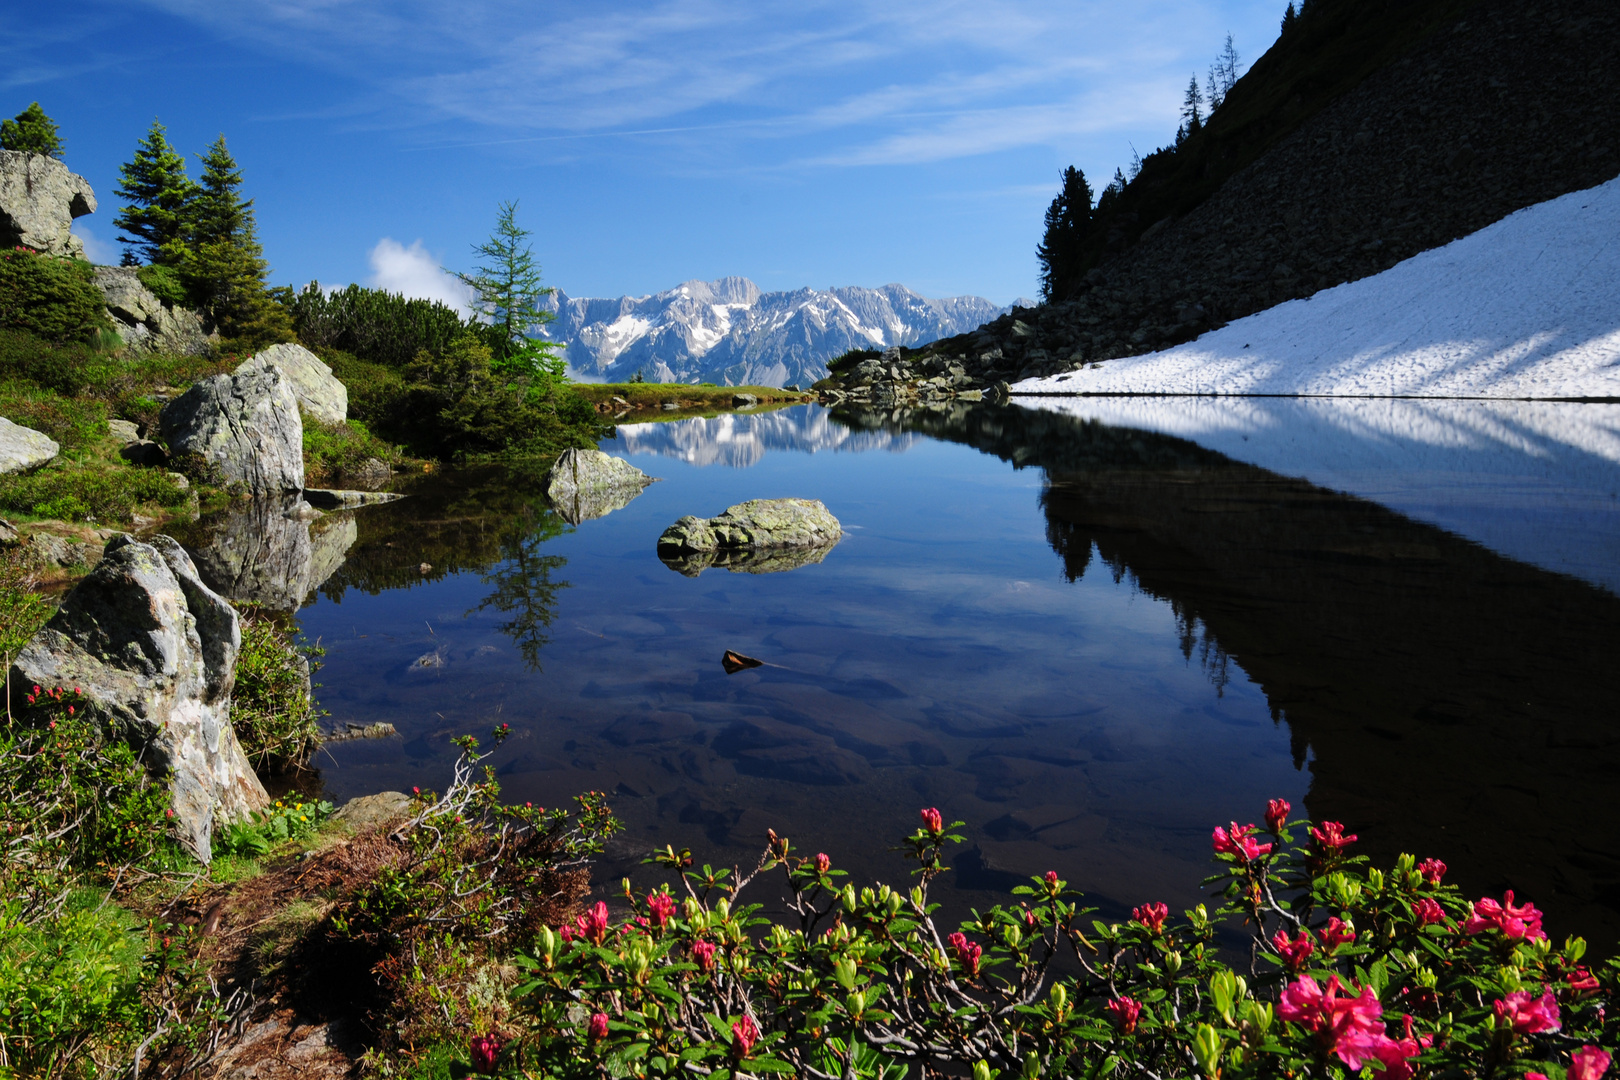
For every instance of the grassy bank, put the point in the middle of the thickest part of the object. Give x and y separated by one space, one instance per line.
685 396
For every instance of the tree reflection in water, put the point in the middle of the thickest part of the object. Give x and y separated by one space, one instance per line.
524 586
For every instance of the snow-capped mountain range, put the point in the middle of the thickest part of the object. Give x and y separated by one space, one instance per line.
728 332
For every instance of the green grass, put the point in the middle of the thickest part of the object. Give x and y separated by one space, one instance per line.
330 450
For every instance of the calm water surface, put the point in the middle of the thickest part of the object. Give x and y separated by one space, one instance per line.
1090 638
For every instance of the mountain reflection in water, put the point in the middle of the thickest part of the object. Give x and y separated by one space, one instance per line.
743 439
1207 630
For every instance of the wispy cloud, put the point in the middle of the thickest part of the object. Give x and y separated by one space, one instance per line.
97 250
867 81
414 272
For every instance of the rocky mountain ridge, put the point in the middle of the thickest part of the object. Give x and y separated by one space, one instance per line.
730 332
1507 106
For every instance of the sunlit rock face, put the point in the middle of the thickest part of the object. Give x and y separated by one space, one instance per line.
39 198
153 649
244 428
587 484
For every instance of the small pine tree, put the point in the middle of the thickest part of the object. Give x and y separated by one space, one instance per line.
1068 221
32 132
159 195
506 295
1192 105
224 265
1290 17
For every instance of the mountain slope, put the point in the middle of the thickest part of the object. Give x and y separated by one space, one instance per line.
729 332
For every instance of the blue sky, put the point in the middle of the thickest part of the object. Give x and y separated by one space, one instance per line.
803 144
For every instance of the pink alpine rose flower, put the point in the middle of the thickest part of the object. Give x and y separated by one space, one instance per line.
1294 953
1527 1015
823 863
968 952
1277 814
598 1029
1517 922
1343 1025
1239 841
1433 869
1330 837
1151 916
703 953
1428 912
1588 1063
744 1034
1334 934
484 1050
933 821
662 906
1125 1012
591 926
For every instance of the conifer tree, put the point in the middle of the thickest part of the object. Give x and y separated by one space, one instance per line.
224 264
32 132
1192 117
506 295
159 195
1068 220
1289 17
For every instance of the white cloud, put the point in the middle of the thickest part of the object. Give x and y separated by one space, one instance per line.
413 272
96 250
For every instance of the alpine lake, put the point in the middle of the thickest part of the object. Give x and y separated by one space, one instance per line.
1089 628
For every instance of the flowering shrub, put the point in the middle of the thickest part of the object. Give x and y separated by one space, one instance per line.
1351 969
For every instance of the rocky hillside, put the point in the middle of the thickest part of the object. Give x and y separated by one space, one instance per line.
731 333
1508 105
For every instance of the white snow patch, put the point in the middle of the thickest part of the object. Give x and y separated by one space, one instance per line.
1526 308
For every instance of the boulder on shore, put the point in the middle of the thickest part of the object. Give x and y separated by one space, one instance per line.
39 198
24 448
586 484
244 427
318 391
146 323
153 650
758 523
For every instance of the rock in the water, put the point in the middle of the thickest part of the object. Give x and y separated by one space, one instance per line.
318 391
369 475
245 427
327 499
39 198
744 401
146 323
23 448
587 484
153 649
383 808
265 551
758 523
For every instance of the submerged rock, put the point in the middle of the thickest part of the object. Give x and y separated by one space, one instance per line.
587 484
39 198
153 649
758 523
318 391
24 448
245 427
330 499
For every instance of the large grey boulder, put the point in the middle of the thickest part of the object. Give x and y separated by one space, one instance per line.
24 448
146 323
153 649
587 484
266 551
244 427
39 198
318 391
758 523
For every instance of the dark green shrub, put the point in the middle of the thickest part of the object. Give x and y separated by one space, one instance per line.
73 422
374 325
272 708
330 450
69 367
850 359
31 132
165 283
72 492
374 389
54 298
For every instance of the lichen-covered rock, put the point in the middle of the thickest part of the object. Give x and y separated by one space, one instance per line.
318 391
146 323
24 448
244 427
758 523
39 198
370 811
587 484
153 649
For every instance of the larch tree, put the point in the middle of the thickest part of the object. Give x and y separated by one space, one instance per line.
31 132
158 194
506 298
1068 220
224 265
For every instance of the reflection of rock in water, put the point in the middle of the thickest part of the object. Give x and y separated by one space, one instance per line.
743 560
266 551
587 484
578 506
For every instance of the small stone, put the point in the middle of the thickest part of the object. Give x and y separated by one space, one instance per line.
125 431
744 401
22 449
369 811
